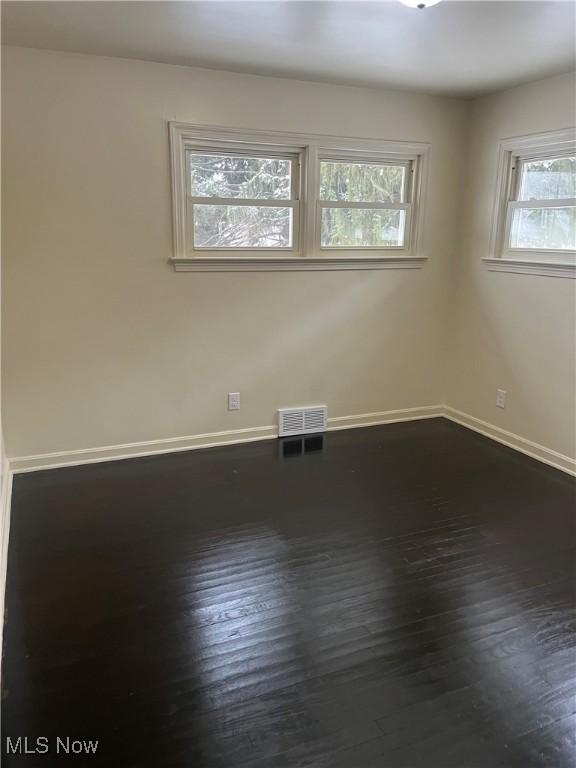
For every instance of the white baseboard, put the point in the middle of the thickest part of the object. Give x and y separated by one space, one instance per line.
384 417
134 450
5 502
534 450
214 439
208 440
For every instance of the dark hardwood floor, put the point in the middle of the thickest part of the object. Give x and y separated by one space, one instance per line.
401 598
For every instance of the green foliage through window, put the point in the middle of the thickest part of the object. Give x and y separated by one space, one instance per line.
251 178
370 189
361 182
217 225
362 227
242 226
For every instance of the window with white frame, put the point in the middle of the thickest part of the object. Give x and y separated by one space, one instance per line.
288 201
536 222
243 199
364 203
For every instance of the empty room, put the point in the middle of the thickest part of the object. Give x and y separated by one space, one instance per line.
288 389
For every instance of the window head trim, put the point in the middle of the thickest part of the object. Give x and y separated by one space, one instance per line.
305 151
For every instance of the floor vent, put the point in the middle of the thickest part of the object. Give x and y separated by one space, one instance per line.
300 421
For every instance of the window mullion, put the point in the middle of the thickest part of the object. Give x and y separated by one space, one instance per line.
311 193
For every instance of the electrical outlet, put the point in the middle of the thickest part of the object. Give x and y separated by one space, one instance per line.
233 401
500 398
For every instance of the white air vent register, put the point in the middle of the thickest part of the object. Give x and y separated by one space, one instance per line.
300 421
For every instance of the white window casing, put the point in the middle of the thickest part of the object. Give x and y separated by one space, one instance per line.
305 152
514 154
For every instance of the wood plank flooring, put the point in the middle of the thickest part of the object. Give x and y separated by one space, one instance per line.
400 597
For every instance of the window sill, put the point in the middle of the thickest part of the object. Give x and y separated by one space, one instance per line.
293 264
532 267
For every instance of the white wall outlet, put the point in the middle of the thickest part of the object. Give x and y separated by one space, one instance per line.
501 398
233 401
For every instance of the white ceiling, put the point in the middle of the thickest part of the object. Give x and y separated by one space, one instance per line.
460 48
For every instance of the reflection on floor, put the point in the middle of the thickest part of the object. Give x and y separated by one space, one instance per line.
390 597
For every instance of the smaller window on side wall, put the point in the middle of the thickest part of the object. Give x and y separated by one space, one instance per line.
534 228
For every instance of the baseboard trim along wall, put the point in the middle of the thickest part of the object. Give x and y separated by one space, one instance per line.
144 448
534 450
384 417
234 436
5 502
207 440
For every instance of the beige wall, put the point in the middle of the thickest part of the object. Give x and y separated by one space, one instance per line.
512 331
105 344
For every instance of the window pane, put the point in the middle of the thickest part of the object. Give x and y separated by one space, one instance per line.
361 182
553 228
256 178
548 179
242 226
362 227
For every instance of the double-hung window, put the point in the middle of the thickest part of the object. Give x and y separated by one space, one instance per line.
364 204
542 212
535 223
243 200
289 201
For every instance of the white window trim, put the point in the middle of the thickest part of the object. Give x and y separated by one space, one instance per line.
550 263
305 253
294 154
411 165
